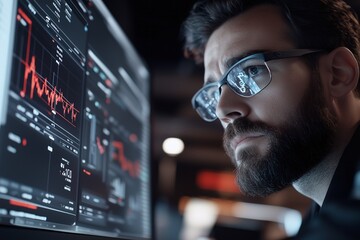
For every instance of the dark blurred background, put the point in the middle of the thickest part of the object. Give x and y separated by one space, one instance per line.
201 176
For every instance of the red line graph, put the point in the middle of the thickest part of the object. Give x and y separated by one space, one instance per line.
133 168
39 85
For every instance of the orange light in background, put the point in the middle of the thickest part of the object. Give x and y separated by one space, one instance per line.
217 181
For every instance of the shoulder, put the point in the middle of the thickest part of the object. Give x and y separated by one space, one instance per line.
336 220
339 217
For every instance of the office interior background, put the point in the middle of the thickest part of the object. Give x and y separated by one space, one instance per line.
195 194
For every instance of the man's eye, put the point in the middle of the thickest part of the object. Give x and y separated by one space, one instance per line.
253 70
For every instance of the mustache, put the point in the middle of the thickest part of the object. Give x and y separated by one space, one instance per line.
244 125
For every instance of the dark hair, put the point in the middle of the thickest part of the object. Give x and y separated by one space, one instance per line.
319 24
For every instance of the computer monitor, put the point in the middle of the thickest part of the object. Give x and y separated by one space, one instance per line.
74 124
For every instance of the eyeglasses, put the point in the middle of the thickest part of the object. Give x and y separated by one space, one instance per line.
247 77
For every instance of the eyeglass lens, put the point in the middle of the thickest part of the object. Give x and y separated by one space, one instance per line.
246 78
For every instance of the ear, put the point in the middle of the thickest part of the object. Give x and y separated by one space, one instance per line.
344 70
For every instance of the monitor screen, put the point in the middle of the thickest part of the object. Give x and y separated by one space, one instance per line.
74 124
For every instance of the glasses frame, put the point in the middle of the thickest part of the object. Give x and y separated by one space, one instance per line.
267 56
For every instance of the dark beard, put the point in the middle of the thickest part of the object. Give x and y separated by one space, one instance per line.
294 148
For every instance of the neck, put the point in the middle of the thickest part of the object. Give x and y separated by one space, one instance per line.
316 182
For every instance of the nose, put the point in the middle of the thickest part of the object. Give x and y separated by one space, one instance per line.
231 106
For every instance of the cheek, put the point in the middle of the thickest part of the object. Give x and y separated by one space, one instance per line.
275 111
283 96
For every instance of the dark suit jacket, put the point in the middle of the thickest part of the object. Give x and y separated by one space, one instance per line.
339 216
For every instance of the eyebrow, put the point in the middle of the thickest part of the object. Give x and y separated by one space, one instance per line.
231 61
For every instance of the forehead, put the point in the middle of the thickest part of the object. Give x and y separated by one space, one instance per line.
259 28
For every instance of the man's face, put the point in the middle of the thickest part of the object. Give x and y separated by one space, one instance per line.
276 136
293 147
